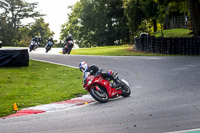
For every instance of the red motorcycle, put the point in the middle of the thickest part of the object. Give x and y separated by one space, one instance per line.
102 89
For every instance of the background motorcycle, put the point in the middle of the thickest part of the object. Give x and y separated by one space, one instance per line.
32 46
101 89
68 47
48 46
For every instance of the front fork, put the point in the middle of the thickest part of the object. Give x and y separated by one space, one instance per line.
96 87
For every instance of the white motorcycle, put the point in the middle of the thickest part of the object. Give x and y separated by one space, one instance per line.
32 46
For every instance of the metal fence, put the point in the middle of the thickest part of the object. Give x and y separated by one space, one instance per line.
182 45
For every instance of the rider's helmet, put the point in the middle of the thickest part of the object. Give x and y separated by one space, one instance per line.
39 38
35 37
83 66
69 36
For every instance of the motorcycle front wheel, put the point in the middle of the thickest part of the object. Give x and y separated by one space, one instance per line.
126 91
64 50
31 48
47 49
100 96
69 50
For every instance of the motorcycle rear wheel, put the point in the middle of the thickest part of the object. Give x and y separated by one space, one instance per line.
100 96
126 91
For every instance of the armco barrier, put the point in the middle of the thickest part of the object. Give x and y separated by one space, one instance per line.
182 45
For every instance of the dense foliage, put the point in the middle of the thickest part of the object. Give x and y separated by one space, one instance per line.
12 31
98 22
113 22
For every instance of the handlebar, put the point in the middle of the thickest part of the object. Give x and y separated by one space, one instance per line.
99 72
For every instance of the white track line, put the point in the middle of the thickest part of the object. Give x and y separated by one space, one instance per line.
55 63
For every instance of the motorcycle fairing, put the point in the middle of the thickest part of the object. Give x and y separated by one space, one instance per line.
106 84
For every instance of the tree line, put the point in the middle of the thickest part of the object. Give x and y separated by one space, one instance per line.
13 32
113 22
96 22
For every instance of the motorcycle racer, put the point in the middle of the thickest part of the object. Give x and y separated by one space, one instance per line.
33 43
51 39
94 70
69 38
35 39
103 86
68 45
50 42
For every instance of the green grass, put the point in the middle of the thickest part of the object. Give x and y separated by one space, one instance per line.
122 50
40 83
175 33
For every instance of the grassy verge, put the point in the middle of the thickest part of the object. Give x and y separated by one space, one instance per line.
175 33
122 50
40 83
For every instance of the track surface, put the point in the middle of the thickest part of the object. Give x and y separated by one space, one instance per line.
165 97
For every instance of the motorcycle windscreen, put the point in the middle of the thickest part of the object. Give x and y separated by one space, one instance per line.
14 57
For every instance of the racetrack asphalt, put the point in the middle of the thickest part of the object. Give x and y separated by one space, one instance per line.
165 98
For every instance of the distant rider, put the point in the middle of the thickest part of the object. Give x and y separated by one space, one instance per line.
68 45
51 39
69 38
50 42
39 40
94 70
35 40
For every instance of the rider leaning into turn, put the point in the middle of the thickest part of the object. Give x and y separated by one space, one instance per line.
35 39
39 40
93 70
69 38
51 39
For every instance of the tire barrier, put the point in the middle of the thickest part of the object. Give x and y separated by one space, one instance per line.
14 57
0 44
181 46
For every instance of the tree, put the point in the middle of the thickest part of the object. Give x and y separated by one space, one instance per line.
97 23
24 37
73 25
194 8
191 7
16 10
13 11
117 23
40 28
150 9
6 31
134 14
